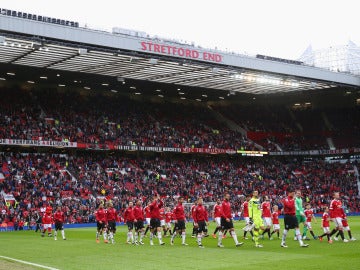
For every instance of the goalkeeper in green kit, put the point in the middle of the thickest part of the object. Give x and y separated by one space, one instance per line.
254 207
300 216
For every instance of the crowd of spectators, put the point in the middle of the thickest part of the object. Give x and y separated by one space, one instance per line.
119 120
79 182
279 128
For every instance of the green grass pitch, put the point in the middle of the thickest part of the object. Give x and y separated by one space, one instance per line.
80 251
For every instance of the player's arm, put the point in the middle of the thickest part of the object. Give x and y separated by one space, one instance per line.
194 216
206 218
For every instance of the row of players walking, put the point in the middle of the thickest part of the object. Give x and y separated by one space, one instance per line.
258 216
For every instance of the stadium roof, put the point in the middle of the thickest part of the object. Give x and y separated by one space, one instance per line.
132 56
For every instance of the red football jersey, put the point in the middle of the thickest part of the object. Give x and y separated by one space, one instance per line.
179 212
59 216
226 209
168 217
245 207
325 220
275 217
138 213
100 215
289 206
129 214
147 212
200 214
266 212
335 209
193 211
47 219
217 211
155 209
162 213
309 213
111 214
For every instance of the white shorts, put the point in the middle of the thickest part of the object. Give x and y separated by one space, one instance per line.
267 221
347 228
326 229
338 222
46 226
276 226
218 221
308 225
247 220
168 224
148 221
162 222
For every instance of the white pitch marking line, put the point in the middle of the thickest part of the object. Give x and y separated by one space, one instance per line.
29 263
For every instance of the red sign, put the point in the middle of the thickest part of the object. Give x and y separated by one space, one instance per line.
181 52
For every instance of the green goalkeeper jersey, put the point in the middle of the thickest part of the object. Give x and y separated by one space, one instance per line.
299 206
254 207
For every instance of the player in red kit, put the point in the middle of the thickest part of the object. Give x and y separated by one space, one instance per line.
226 222
47 221
217 217
245 212
100 216
168 219
290 219
275 221
336 213
59 218
155 225
266 215
194 231
111 221
179 216
325 224
129 218
309 215
162 220
200 220
148 218
139 222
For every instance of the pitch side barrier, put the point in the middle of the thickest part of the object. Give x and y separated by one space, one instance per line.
215 151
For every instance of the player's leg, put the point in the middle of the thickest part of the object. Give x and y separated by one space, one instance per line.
200 232
55 231
159 235
105 236
49 229
142 234
174 234
221 232
98 228
62 232
258 230
306 227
